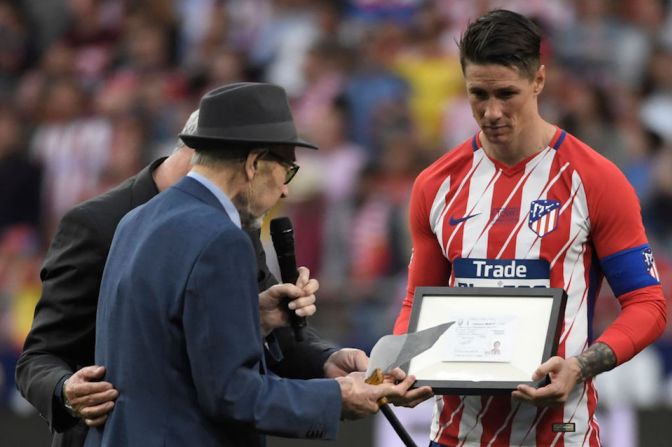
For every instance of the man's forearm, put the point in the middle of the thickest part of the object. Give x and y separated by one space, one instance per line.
597 359
301 360
38 377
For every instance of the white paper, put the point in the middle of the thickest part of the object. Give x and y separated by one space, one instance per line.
480 339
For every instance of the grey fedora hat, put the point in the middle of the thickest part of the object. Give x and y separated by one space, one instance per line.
244 113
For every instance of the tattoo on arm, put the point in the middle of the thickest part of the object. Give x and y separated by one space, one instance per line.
596 359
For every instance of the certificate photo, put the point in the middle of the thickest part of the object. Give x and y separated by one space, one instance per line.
498 339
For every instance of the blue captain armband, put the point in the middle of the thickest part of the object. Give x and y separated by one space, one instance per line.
630 269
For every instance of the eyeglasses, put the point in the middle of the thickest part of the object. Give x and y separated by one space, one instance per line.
292 168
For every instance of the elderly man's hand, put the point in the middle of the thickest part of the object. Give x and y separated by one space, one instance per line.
302 301
360 399
90 398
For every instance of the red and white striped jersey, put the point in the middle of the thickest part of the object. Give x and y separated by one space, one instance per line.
570 217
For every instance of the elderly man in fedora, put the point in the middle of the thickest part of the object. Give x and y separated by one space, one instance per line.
178 324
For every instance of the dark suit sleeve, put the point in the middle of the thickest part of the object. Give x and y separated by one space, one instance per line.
224 348
299 360
61 339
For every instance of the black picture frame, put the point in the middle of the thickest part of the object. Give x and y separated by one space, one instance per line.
540 311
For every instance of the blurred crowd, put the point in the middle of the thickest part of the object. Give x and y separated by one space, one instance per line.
92 90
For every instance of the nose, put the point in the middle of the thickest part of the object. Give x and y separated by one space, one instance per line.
492 110
284 190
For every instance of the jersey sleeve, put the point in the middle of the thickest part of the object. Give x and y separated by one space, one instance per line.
618 234
627 261
615 215
642 320
428 265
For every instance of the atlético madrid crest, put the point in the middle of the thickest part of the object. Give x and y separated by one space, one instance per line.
544 216
650 263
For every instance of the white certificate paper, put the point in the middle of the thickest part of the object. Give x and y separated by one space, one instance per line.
480 339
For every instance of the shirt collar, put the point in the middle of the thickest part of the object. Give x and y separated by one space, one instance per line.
223 199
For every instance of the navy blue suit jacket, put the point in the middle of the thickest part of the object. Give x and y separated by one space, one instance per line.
178 330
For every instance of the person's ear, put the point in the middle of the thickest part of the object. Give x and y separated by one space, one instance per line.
539 80
251 164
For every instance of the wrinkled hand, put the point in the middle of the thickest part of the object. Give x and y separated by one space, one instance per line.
302 295
91 399
564 374
412 397
344 362
360 399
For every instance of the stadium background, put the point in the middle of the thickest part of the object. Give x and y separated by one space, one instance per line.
92 90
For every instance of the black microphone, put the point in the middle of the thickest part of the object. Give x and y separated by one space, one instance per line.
282 234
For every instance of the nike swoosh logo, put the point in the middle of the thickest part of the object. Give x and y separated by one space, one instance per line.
454 221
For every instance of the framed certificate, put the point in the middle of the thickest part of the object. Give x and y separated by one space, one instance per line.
499 337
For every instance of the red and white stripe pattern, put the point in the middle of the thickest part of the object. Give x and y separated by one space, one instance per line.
537 210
